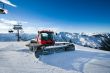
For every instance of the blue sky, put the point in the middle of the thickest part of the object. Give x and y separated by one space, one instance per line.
62 15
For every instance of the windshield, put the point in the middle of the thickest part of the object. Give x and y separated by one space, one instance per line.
47 36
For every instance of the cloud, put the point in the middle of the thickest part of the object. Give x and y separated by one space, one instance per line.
55 29
4 28
30 30
11 22
8 2
8 24
36 29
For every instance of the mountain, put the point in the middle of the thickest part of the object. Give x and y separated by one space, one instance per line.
7 37
94 40
12 37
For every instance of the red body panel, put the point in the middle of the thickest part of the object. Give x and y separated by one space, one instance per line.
47 42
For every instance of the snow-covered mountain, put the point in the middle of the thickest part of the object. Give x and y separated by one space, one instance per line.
13 37
95 40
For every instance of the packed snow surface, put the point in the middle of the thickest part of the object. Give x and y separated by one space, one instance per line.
16 58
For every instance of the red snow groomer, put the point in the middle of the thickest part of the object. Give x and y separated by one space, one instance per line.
45 37
45 44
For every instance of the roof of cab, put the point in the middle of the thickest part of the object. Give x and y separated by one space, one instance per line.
45 31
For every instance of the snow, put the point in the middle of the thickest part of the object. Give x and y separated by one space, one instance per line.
94 40
16 58
61 42
84 60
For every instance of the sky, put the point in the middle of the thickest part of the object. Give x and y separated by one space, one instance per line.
87 16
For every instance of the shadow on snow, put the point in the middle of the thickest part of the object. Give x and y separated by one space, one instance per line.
74 60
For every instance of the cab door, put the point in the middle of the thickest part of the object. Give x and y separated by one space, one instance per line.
39 39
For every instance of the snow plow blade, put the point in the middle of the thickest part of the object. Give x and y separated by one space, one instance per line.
46 50
58 48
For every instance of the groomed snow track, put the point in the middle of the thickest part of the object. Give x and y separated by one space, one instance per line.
16 58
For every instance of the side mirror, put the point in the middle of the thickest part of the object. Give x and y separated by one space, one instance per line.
3 11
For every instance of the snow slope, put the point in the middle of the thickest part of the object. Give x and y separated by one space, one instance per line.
84 60
16 58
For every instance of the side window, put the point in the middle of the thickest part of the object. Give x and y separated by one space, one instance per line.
44 36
